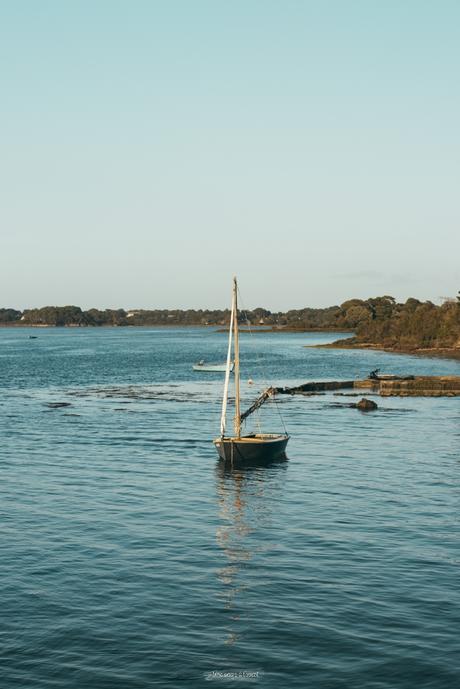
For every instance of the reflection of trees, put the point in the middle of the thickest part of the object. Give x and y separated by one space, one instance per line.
245 497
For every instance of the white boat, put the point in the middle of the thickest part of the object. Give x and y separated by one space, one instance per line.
253 446
203 366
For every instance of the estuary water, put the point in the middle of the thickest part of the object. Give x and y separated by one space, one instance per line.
131 558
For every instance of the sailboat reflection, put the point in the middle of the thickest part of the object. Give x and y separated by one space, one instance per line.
246 495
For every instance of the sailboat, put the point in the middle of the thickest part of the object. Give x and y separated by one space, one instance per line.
254 446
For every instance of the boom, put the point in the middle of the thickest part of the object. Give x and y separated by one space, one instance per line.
269 392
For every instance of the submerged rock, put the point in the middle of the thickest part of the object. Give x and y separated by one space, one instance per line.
366 405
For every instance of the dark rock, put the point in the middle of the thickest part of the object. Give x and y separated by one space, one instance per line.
346 394
316 387
366 405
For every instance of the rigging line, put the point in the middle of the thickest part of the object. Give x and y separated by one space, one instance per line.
223 418
262 365
260 361
259 357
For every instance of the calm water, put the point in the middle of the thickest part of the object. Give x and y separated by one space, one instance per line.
130 558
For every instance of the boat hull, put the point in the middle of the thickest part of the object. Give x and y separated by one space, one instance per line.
211 367
255 447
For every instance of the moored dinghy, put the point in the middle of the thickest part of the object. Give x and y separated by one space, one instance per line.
253 446
203 366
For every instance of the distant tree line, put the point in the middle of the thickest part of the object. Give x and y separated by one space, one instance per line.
332 317
379 320
412 325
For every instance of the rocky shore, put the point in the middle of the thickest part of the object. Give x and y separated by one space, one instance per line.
412 386
418 386
443 352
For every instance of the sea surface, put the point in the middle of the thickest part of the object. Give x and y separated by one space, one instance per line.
132 558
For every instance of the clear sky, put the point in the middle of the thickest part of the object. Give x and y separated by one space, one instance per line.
151 149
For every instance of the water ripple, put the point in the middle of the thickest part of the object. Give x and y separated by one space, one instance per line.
132 558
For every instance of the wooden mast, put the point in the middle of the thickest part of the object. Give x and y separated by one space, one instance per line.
237 360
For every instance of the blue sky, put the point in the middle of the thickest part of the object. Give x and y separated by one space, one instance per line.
150 150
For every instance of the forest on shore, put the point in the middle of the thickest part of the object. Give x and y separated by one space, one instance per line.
379 321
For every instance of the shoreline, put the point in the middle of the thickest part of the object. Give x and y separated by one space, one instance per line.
270 329
219 328
434 352
402 386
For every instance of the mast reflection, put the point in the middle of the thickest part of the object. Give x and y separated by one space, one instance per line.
246 495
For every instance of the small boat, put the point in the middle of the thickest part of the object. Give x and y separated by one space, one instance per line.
376 375
203 366
258 447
